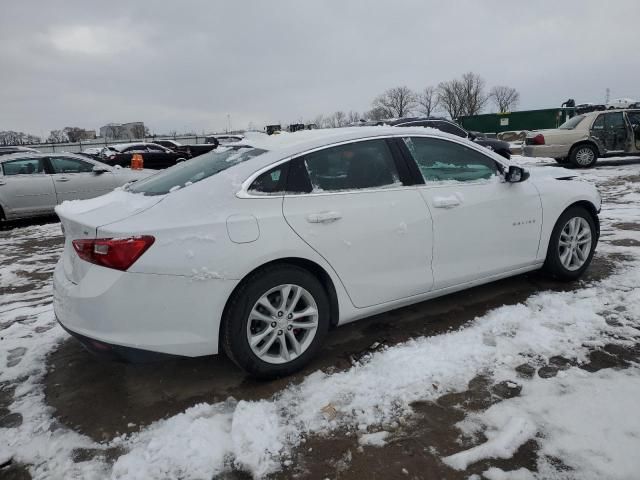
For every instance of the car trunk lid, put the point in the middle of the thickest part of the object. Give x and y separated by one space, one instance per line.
82 218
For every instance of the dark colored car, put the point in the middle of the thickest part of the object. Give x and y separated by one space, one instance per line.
187 151
154 156
16 149
444 125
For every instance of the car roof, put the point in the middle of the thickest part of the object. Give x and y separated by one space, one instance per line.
19 155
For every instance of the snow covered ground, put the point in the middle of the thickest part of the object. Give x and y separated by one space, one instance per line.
584 422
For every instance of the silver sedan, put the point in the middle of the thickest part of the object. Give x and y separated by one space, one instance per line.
32 184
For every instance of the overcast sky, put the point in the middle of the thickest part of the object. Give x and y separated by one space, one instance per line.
185 65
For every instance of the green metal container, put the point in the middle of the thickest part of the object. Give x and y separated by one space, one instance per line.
510 121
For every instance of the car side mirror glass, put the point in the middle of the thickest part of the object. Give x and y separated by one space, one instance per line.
97 169
516 174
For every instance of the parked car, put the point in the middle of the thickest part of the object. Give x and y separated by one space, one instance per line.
620 103
32 184
154 156
589 107
17 149
498 146
259 250
187 151
584 138
223 139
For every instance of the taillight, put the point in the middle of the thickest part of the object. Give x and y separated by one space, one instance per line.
117 253
538 139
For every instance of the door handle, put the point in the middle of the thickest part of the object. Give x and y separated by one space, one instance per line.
324 217
447 202
62 179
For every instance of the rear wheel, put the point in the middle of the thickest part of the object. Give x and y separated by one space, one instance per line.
572 244
276 321
583 156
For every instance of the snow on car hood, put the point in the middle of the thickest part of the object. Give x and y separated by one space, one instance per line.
539 173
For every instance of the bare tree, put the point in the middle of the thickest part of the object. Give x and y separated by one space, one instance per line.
450 96
474 97
9 137
74 134
137 130
464 96
340 119
57 136
319 121
396 102
377 114
504 97
353 118
428 101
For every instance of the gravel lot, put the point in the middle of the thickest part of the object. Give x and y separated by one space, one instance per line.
63 410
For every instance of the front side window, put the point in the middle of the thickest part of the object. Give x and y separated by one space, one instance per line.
445 161
70 165
185 173
353 166
24 166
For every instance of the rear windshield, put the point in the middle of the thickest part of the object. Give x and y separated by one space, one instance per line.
186 173
572 123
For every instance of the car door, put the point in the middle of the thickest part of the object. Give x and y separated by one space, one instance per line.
74 179
482 225
26 188
354 210
161 157
612 132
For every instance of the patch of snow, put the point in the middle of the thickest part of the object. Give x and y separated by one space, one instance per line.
495 473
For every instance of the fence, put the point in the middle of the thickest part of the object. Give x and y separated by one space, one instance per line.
101 142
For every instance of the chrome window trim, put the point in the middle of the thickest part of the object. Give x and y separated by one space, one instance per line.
244 189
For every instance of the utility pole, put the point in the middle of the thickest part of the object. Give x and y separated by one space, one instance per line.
228 123
607 96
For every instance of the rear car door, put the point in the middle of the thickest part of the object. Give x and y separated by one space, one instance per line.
26 188
482 225
74 179
349 204
634 121
612 132
160 157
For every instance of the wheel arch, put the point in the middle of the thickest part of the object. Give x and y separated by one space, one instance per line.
312 267
590 142
589 207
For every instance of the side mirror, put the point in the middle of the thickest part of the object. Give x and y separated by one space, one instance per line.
97 169
472 136
516 174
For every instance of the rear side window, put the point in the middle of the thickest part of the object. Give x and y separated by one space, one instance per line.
186 173
24 166
70 165
353 166
598 124
445 161
450 128
272 182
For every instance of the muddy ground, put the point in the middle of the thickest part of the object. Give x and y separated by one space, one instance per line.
103 399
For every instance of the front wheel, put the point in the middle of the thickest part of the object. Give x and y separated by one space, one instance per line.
572 244
583 156
276 321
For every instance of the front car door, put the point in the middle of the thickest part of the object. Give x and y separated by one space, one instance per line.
482 225
161 157
26 189
348 203
74 179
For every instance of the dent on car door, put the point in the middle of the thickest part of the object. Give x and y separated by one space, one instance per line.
348 204
74 179
26 188
482 225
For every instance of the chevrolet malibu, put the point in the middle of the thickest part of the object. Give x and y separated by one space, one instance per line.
259 249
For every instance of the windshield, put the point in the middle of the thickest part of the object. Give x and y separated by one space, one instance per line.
572 123
186 173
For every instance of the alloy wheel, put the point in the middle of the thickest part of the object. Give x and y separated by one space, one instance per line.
574 244
584 156
282 324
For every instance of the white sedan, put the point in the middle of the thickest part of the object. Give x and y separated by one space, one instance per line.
259 249
32 184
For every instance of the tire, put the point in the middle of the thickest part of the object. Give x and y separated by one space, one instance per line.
583 156
562 160
554 264
241 321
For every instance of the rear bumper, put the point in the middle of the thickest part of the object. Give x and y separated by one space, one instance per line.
546 151
122 311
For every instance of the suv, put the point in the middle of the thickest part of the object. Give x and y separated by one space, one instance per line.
447 126
584 138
